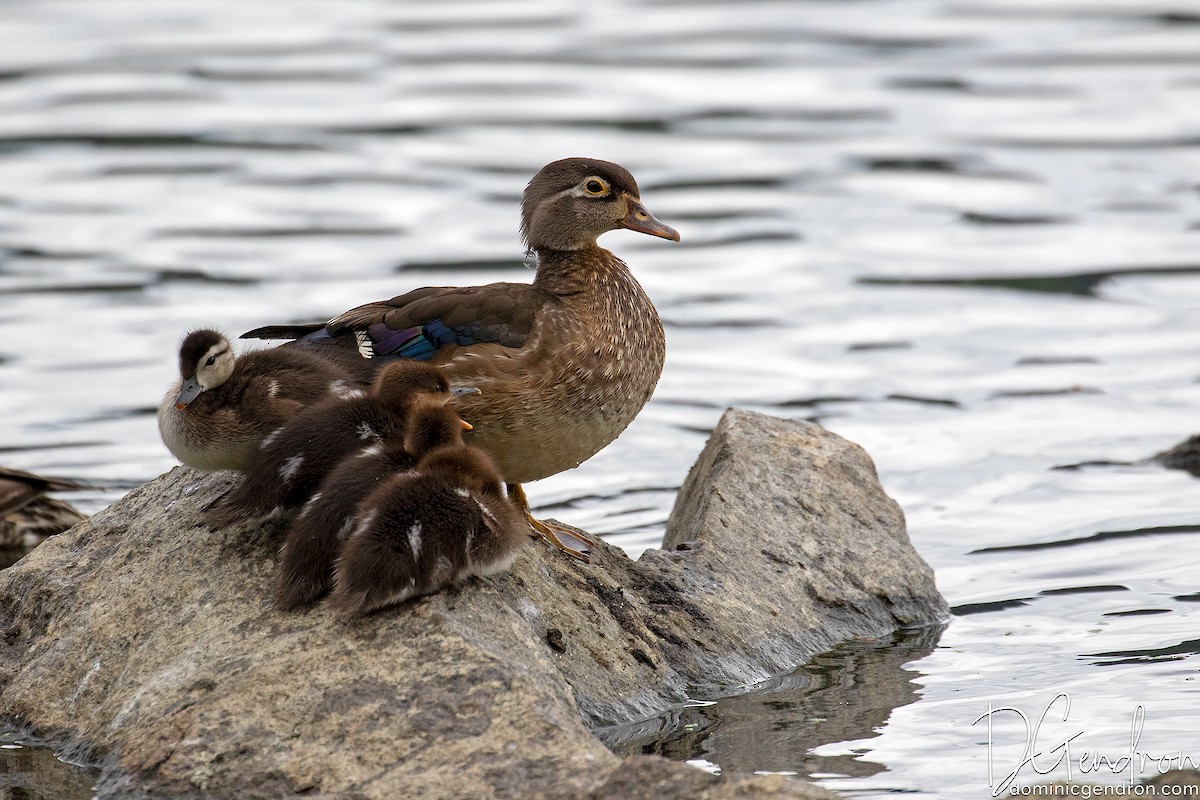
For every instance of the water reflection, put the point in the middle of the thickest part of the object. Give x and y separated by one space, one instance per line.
29 771
843 695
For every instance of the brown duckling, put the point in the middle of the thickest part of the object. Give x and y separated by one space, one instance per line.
292 461
417 534
27 514
563 365
317 532
223 406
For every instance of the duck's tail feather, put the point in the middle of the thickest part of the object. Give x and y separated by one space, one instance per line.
283 331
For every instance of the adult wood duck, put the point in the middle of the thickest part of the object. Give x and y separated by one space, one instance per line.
417 534
318 531
222 406
288 468
563 364
27 514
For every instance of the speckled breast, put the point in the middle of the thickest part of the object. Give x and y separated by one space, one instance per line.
557 403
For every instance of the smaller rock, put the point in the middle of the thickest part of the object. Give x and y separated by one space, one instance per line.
1185 456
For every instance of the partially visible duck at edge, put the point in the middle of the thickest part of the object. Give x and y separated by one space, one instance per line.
317 532
27 514
417 534
563 364
287 469
223 406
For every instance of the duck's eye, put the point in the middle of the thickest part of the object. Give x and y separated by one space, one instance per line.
211 360
595 186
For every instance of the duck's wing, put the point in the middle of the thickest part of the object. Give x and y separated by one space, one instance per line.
418 324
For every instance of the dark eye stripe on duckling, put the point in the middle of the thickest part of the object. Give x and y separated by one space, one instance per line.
195 348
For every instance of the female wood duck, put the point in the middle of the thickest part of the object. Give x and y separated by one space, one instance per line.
564 364
292 461
222 407
419 533
313 540
27 515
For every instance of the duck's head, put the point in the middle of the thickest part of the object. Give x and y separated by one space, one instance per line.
205 362
431 424
401 384
571 202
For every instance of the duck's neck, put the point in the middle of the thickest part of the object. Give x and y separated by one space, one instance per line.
584 271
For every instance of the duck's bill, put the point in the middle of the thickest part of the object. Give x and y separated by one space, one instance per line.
640 220
459 391
188 391
466 425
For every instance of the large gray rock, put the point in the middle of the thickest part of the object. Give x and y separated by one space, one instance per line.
150 639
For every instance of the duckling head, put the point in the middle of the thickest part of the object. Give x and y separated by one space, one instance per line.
401 383
205 362
570 202
432 424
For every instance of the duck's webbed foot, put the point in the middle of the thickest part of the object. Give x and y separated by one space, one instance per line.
568 541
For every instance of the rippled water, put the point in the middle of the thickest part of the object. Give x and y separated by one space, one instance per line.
964 234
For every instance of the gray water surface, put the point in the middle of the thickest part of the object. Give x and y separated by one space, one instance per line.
964 234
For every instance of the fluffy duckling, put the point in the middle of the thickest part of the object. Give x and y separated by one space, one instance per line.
306 567
419 533
563 364
293 460
223 406
27 515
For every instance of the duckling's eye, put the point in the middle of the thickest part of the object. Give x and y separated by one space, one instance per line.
211 360
595 186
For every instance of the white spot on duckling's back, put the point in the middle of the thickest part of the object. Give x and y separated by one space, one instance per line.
290 467
365 522
271 437
365 431
312 501
373 450
272 388
414 539
486 512
344 391
468 566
